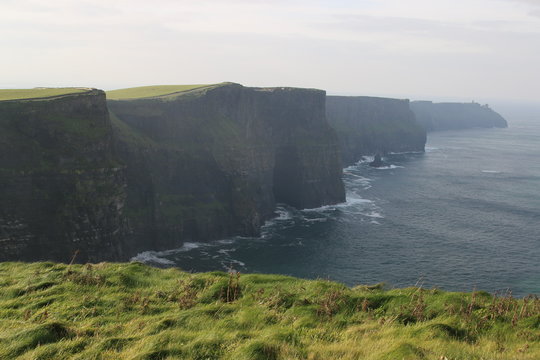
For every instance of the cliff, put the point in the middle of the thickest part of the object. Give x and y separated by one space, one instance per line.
212 161
61 189
200 163
371 125
452 116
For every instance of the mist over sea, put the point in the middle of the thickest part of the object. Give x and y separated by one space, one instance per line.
465 214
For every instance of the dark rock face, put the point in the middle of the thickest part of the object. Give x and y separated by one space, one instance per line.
200 165
370 125
213 162
377 161
61 189
453 116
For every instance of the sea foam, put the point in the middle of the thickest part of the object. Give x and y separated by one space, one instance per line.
158 257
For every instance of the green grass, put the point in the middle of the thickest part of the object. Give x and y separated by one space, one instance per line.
132 311
20 94
149 91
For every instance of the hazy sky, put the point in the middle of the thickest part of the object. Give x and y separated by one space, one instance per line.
455 49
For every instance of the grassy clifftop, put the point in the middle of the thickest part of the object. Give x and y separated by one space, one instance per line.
131 311
150 91
38 93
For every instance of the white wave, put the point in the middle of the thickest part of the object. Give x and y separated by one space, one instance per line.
322 208
351 174
357 178
431 148
267 224
365 159
187 247
364 184
352 200
227 264
374 214
151 257
316 219
282 218
389 167
405 152
226 259
158 256
239 262
283 214
225 251
491 171
229 241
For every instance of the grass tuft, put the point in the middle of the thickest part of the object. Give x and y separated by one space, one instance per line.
31 338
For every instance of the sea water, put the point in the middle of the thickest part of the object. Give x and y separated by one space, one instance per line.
463 215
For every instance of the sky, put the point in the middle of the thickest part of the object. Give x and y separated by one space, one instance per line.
459 50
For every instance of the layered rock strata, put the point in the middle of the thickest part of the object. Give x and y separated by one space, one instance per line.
371 125
62 190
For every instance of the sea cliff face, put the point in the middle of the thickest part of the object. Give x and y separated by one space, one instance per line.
191 166
371 125
61 189
453 116
212 162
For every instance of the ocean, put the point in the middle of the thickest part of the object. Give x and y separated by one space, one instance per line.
464 215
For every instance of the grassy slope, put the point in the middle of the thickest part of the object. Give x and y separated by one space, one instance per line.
149 91
131 311
19 94
130 135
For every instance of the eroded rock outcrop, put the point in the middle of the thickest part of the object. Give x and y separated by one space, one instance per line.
453 116
371 125
212 162
61 188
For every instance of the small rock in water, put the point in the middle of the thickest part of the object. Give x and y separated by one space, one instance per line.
377 162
